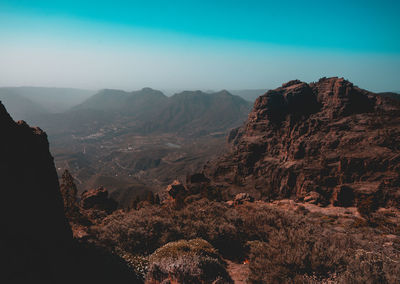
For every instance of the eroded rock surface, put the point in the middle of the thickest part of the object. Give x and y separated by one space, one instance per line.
328 142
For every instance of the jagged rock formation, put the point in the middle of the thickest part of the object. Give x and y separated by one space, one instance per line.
35 233
328 141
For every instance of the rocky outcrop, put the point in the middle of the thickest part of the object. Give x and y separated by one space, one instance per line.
35 234
98 199
176 190
327 142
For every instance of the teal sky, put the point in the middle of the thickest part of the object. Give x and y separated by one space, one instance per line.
194 44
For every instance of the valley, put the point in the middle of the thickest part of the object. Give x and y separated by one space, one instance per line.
132 143
131 164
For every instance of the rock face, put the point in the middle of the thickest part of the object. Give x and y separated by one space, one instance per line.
35 233
328 141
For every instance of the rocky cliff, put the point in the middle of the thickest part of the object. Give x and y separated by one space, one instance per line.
35 234
329 142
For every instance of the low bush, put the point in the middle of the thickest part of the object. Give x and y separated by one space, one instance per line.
290 255
193 261
372 267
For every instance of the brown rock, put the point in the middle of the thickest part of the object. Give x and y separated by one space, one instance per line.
243 197
315 137
313 197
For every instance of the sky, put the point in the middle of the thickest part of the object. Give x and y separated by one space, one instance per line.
193 44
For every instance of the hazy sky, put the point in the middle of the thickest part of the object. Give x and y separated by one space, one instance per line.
205 44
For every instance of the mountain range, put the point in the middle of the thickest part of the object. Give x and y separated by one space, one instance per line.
149 111
309 181
29 103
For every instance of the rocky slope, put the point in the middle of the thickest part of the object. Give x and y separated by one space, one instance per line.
323 142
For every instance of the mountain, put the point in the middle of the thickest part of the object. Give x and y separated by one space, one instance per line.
199 113
104 100
129 103
111 109
53 100
329 141
21 108
249 95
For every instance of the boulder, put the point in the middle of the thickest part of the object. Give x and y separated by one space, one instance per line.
240 198
313 198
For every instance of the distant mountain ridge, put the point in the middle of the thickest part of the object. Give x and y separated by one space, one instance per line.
148 110
52 100
21 108
196 111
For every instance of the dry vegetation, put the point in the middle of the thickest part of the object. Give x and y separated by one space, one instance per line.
281 245
193 261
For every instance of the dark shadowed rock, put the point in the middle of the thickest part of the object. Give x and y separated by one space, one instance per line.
322 138
98 199
343 196
35 234
176 189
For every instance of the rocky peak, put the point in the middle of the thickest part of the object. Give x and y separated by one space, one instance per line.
339 97
294 98
317 139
